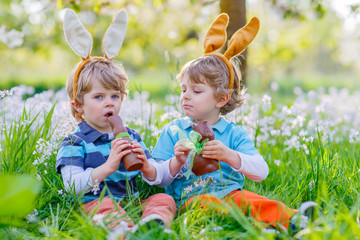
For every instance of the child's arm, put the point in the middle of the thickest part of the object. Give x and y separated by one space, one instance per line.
166 171
169 162
252 166
76 178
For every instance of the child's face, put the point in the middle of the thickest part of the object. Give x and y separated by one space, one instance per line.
98 105
198 101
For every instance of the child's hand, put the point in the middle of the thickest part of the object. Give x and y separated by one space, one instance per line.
136 148
215 149
181 153
147 169
118 151
176 162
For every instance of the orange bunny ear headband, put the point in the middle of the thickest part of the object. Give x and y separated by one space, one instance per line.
216 37
80 40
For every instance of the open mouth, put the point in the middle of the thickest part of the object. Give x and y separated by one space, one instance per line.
107 115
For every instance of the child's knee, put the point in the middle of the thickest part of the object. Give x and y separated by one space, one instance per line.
166 197
162 199
106 205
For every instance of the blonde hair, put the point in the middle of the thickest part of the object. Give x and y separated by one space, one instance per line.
110 75
215 72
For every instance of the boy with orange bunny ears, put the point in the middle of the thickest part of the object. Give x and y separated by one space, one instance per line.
210 87
89 159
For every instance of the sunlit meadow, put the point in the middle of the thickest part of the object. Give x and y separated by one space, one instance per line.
312 148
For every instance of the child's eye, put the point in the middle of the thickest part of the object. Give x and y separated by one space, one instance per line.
196 91
115 96
98 97
183 90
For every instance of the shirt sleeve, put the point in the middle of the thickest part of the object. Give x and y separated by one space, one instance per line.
241 142
253 167
163 175
76 178
163 152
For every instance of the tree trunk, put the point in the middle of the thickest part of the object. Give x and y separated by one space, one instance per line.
236 9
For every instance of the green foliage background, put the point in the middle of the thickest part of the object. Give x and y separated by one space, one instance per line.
296 45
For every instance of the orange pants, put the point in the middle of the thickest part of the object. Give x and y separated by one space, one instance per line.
160 204
262 209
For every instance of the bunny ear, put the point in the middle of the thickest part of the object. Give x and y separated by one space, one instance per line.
242 38
114 35
76 35
216 35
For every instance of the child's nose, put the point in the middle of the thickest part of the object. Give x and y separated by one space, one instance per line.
109 101
185 95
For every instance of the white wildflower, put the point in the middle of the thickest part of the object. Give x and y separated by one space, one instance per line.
286 110
119 232
311 185
275 132
354 136
96 187
98 217
305 148
218 229
31 218
302 133
320 108
274 86
297 90
266 99
188 189
5 93
11 38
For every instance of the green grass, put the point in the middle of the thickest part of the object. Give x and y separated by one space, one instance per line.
329 175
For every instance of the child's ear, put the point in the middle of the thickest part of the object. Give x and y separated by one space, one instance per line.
223 100
77 106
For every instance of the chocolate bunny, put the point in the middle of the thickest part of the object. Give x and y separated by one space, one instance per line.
202 165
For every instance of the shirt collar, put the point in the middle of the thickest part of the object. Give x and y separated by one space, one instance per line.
220 126
91 133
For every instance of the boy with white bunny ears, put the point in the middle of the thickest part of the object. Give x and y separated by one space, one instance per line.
90 158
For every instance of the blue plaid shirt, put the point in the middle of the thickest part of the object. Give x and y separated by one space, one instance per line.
88 148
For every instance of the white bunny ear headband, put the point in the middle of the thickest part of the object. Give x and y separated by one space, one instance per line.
80 40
